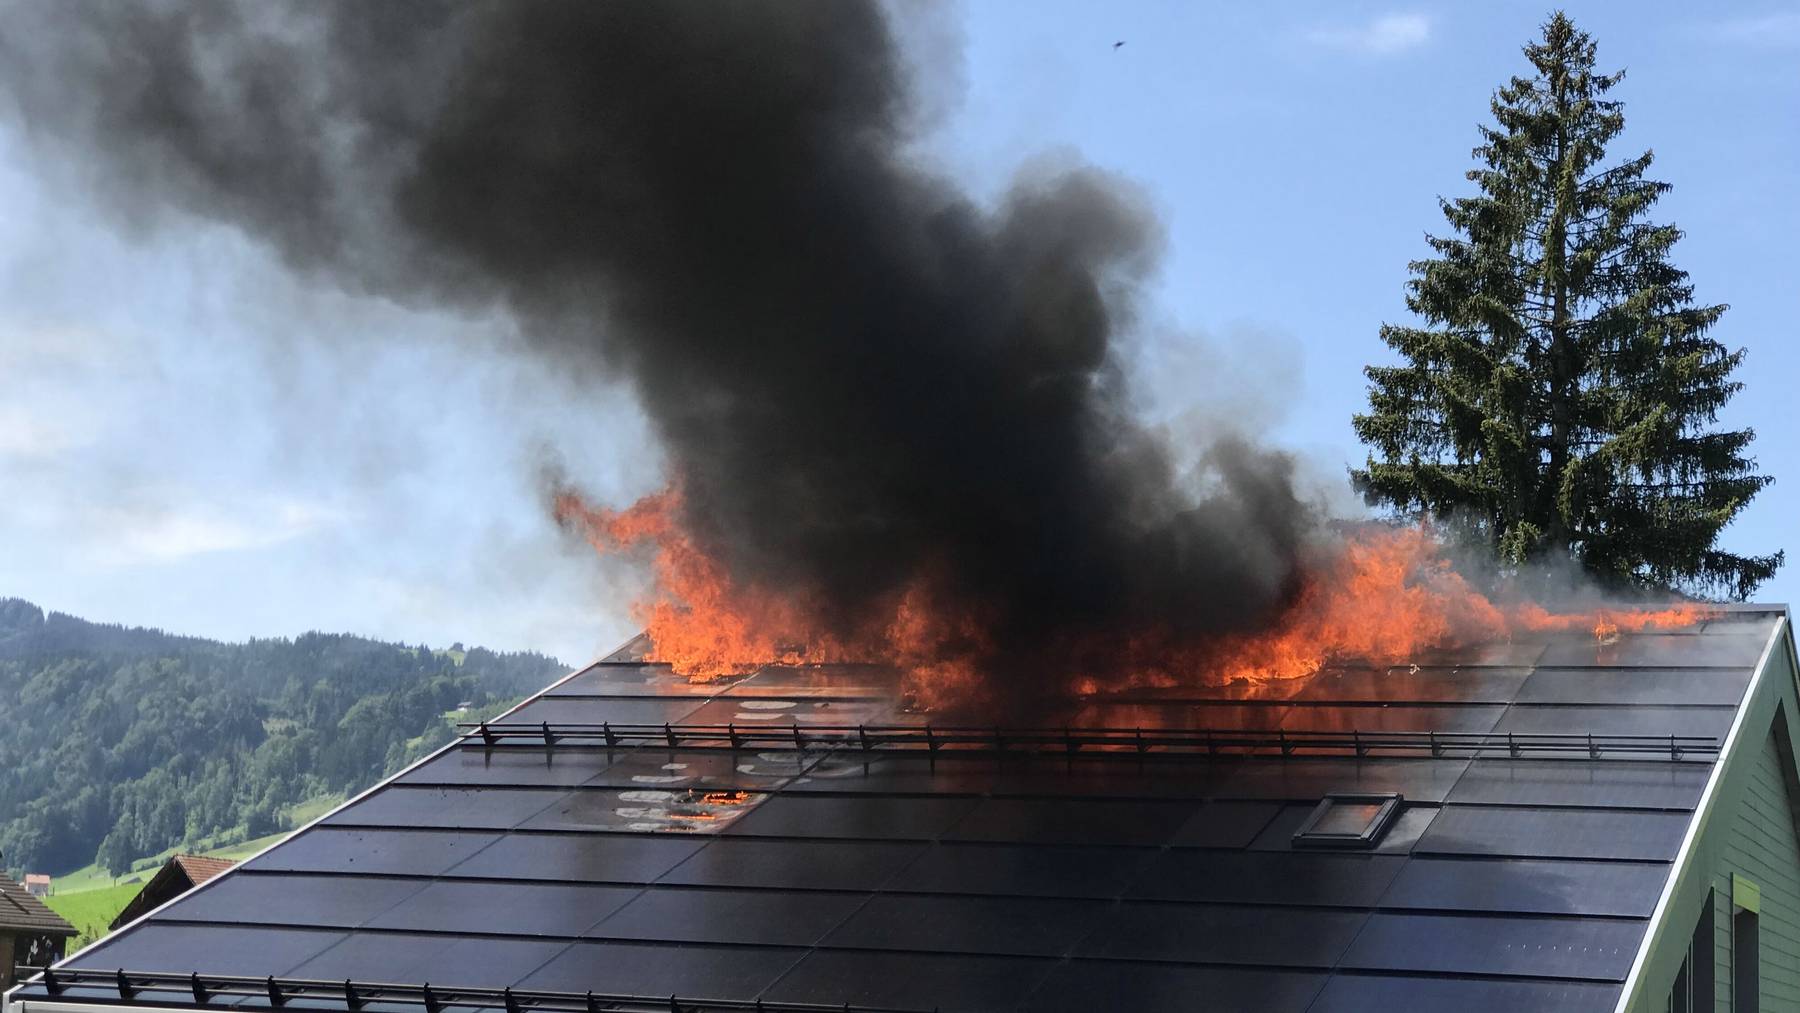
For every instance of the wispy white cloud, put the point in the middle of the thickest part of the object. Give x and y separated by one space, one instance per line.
1777 30
1383 36
122 535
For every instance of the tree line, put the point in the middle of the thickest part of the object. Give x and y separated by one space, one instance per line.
123 742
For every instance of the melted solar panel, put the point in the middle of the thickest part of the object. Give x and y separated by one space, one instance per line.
658 810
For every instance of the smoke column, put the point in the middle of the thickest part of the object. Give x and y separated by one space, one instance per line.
855 371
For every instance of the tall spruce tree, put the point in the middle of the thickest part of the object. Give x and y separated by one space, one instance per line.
1562 399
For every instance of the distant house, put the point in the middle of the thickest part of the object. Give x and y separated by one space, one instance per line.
177 876
31 935
37 884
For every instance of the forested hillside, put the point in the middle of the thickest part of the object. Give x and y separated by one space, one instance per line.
119 742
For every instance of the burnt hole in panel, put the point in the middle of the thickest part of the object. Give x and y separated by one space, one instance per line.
671 810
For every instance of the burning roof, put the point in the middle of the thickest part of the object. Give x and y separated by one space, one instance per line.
794 835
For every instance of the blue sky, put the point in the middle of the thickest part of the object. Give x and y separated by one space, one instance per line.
189 438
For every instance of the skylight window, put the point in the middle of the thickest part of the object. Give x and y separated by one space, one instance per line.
1348 821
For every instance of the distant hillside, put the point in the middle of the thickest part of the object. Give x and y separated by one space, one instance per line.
119 742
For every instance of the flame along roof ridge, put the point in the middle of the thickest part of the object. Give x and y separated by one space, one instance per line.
985 881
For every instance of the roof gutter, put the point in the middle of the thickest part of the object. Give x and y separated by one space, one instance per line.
1684 858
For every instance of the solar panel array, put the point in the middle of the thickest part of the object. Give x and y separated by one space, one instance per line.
984 881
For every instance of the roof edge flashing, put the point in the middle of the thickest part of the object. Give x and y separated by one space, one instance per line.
1729 750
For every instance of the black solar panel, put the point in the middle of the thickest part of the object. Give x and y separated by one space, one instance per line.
329 901
1549 833
522 767
1357 993
398 851
769 917
1532 887
653 969
542 909
1085 986
1225 934
1021 926
1593 783
1583 948
1613 686
777 864
217 949
922 981
1254 877
580 858
967 878
1022 870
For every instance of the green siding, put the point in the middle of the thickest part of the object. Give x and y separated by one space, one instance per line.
1760 843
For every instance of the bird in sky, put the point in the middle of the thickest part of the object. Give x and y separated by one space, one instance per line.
1116 45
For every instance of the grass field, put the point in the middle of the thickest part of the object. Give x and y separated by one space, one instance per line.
91 911
90 899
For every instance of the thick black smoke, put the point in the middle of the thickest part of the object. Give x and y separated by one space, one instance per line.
856 371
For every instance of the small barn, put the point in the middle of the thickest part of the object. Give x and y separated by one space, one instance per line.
178 875
1560 824
31 935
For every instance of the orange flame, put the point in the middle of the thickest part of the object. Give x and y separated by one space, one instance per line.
1382 595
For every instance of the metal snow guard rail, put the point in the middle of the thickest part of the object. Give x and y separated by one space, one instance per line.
223 991
1101 741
